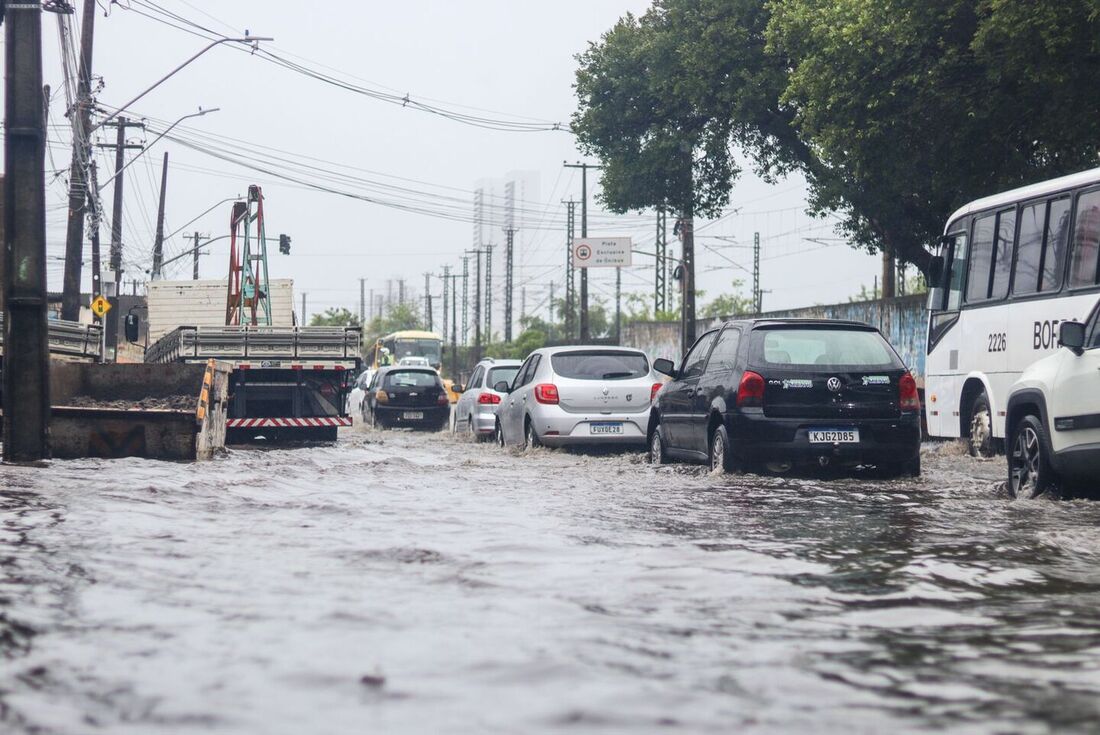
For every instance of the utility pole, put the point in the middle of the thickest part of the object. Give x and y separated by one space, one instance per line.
522 305
454 327
584 233
428 300
97 281
371 302
303 322
570 283
195 238
551 316
508 253
477 306
401 291
158 245
120 147
489 292
618 305
757 296
362 301
26 347
687 308
446 294
465 299
660 284
78 185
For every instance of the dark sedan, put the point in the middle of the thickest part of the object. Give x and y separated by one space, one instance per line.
407 396
778 393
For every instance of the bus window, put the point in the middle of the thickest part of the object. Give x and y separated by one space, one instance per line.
957 272
1057 241
1029 250
981 256
1002 253
1086 241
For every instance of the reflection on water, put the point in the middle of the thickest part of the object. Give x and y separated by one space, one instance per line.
416 583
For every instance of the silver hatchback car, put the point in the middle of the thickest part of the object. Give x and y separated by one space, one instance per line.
578 395
475 412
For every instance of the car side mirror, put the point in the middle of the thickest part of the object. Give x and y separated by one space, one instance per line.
458 388
502 386
1072 335
665 367
131 327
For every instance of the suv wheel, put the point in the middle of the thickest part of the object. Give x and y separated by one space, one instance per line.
657 447
721 452
498 434
1029 470
981 442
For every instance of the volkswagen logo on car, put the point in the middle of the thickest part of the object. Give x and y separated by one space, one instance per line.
834 384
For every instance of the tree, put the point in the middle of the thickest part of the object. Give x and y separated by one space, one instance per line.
914 108
334 318
397 318
658 146
730 304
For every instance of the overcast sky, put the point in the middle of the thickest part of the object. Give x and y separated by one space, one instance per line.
499 59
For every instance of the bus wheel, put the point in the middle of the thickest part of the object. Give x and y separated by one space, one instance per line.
981 442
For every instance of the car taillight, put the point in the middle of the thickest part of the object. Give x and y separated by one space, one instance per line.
908 398
382 397
654 391
488 399
443 399
750 393
546 393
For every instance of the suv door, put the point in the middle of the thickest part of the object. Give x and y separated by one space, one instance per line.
719 379
678 398
1075 402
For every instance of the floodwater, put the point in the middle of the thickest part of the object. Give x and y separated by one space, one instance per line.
412 583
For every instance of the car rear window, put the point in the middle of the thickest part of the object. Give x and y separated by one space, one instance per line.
829 348
600 365
507 374
411 379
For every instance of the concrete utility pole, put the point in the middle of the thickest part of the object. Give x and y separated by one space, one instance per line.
551 316
428 301
120 147
570 283
362 301
195 252
687 309
618 305
489 292
97 281
401 290
303 323
508 253
26 347
158 245
78 185
584 233
465 299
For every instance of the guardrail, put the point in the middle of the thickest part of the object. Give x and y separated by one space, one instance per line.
69 339
257 343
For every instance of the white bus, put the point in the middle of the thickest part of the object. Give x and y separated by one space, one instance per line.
1010 267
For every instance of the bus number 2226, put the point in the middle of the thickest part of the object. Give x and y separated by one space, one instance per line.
998 342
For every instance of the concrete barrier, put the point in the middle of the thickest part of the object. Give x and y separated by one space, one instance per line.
173 412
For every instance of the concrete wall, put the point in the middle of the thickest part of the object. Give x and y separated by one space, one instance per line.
902 321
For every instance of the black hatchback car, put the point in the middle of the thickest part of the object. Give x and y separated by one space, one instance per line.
778 393
407 396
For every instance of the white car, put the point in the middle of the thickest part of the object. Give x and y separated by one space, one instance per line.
356 394
475 412
1053 415
578 395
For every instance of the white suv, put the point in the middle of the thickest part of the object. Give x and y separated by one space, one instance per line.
1053 416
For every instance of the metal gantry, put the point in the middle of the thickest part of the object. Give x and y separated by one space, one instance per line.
508 255
247 300
660 290
570 284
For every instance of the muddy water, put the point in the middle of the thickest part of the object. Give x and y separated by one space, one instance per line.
407 583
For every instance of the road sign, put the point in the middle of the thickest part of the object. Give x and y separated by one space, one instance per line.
100 306
602 252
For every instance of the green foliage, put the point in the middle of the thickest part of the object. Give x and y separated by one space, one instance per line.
896 111
729 304
334 318
397 318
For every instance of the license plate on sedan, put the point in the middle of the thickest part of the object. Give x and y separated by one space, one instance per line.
412 415
606 427
834 436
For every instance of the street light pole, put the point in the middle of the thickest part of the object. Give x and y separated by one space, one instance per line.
156 140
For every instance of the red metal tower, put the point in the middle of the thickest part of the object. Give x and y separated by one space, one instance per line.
247 300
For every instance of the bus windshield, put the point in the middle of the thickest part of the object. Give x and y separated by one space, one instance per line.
430 349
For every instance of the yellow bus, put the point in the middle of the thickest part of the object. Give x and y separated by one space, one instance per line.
412 346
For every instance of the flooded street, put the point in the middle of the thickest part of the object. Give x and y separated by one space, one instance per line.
412 583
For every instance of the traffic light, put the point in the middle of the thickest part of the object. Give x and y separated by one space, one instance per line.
284 244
